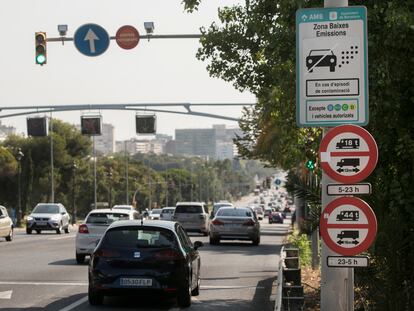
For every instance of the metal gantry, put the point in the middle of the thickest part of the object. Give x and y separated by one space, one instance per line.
150 107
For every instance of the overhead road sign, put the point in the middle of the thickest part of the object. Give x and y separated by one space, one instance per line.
331 66
347 262
348 226
127 37
91 40
348 189
348 153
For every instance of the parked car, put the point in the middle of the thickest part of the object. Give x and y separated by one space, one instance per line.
154 214
216 207
145 255
235 223
193 216
167 213
127 207
48 216
6 225
94 226
276 218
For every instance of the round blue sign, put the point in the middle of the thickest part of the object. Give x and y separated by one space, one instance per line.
91 40
278 181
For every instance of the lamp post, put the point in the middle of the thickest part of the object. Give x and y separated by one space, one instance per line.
19 157
109 175
74 209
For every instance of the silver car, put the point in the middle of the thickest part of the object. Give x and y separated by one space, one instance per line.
48 216
193 216
167 213
94 226
6 225
235 223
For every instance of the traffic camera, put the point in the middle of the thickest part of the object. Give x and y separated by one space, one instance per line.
40 47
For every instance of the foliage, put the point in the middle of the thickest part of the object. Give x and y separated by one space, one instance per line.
301 241
254 48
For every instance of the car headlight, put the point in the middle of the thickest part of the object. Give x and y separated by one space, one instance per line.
55 218
29 218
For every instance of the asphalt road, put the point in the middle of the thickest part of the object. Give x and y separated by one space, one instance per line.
39 272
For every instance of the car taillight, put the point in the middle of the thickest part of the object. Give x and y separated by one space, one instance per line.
106 253
167 254
248 223
217 222
83 229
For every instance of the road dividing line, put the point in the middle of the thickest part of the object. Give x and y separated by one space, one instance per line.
44 283
6 295
230 287
75 304
63 237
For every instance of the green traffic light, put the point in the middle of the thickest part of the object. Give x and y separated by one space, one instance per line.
310 165
40 59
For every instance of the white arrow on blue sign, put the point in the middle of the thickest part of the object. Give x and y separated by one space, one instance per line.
91 40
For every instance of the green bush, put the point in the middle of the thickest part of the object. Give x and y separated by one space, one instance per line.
301 241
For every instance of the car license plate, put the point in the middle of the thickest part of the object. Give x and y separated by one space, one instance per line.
41 223
135 282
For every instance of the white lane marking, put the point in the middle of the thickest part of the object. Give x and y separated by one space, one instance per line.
75 304
63 237
44 283
230 287
6 295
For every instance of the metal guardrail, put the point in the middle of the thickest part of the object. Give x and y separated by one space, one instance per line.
278 300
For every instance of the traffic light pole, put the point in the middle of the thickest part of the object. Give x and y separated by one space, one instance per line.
337 284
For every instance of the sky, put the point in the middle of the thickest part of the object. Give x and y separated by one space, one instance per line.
158 71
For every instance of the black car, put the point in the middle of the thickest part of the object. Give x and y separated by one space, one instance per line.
145 256
321 58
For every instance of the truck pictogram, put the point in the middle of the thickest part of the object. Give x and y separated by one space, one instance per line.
348 216
348 234
354 162
348 143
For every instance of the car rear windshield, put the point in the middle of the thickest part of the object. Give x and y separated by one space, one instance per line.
234 212
140 237
156 211
105 218
46 209
190 209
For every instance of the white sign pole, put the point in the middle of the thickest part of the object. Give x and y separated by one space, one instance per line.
337 284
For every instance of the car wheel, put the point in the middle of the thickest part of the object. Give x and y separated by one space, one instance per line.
184 295
28 231
95 297
9 238
214 241
196 291
332 69
80 258
256 241
59 230
206 233
38 231
67 230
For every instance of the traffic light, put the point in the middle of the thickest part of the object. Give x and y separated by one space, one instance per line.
146 124
40 46
310 165
37 126
91 125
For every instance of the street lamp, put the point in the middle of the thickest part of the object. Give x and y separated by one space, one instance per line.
19 157
74 209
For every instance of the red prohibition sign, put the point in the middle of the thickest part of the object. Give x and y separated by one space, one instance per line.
127 37
370 225
371 153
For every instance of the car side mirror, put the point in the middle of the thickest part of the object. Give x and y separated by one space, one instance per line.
198 244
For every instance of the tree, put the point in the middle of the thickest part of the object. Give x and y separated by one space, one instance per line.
254 48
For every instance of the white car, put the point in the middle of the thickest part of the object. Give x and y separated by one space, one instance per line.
167 213
155 214
127 207
94 226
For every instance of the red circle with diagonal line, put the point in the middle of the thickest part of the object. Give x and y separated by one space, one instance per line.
348 226
348 153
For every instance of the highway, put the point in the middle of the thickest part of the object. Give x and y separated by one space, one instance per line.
39 272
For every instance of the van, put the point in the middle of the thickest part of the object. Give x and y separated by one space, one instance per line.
348 162
193 216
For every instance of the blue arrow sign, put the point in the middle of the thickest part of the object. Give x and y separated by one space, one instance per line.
91 40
